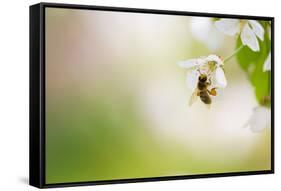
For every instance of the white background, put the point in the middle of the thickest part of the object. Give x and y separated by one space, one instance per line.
14 88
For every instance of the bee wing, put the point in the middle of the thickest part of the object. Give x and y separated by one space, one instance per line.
208 106
193 97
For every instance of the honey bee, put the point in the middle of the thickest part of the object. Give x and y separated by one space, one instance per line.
202 91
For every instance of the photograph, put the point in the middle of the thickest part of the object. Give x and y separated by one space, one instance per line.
140 95
132 95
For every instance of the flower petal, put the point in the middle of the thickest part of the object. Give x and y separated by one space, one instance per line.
228 26
191 63
203 30
215 59
257 28
188 63
249 38
192 79
215 39
200 27
260 119
201 61
267 63
219 78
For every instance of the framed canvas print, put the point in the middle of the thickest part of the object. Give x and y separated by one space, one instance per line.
121 95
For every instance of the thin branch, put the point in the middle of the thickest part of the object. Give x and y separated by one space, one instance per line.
234 53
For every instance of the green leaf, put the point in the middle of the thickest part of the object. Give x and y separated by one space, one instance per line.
252 63
246 56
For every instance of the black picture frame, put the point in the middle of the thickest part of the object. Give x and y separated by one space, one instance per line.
37 94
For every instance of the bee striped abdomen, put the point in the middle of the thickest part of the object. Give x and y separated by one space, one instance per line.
204 96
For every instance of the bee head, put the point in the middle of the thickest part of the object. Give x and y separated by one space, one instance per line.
202 78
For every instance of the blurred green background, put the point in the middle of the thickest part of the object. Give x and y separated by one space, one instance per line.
117 102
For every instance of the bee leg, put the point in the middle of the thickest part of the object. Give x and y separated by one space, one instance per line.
209 82
212 92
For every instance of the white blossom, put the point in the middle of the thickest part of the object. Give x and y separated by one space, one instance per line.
267 63
260 119
210 65
203 29
249 30
220 79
